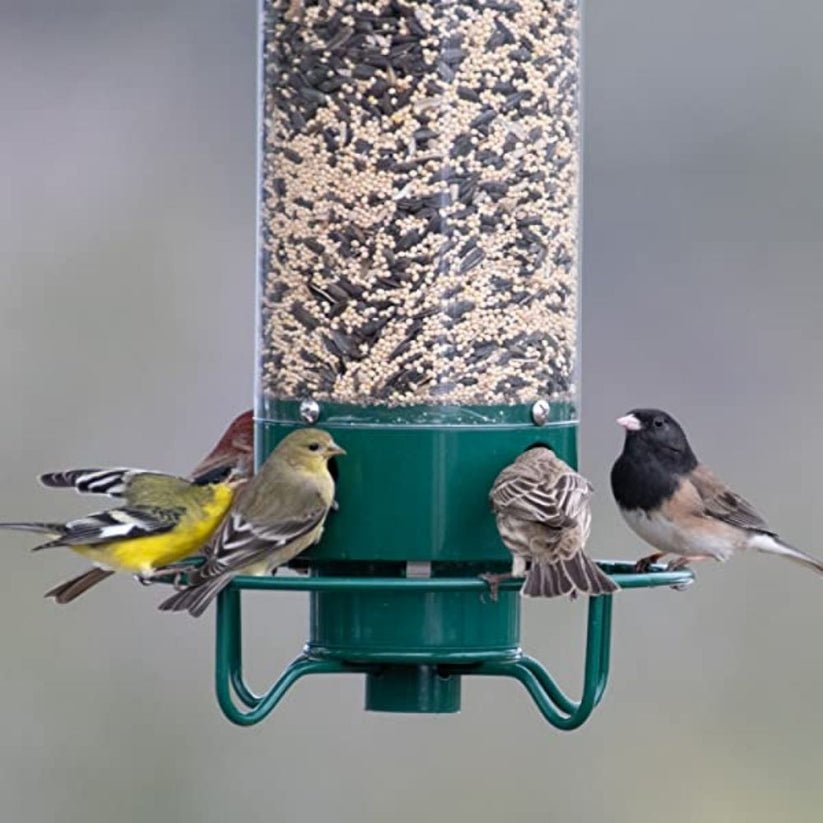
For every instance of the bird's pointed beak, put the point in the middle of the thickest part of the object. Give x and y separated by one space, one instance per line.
333 449
630 423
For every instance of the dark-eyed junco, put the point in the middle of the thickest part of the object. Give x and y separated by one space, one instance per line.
678 506
543 514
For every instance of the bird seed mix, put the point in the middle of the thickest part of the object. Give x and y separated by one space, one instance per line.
419 204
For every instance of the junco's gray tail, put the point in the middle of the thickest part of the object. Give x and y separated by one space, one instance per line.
567 576
771 545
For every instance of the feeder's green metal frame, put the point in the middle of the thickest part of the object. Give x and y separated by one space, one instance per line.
399 681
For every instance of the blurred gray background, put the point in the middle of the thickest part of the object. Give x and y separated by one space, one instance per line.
126 311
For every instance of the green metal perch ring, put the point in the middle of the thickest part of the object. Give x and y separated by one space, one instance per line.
414 639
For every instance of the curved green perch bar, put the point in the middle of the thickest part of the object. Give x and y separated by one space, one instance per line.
412 676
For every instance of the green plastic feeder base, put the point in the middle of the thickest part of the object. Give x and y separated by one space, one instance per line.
419 492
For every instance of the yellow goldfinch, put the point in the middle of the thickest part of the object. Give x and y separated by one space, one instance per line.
278 514
230 460
165 519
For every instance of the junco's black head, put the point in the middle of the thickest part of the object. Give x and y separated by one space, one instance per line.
656 435
656 454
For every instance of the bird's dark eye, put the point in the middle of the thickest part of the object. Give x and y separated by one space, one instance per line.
658 422
315 447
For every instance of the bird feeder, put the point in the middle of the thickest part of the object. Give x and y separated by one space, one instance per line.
418 299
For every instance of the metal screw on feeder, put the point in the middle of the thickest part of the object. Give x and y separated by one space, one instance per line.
309 411
419 278
540 412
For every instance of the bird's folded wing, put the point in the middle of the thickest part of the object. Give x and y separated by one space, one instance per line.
125 523
721 502
574 494
555 502
219 472
219 466
242 540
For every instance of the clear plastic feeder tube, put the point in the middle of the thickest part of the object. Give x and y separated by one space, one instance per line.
419 180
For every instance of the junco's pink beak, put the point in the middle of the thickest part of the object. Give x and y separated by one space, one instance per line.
630 423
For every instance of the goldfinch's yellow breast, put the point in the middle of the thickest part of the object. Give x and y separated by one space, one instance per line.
144 554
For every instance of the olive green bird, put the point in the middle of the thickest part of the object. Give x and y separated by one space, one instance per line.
279 513
163 520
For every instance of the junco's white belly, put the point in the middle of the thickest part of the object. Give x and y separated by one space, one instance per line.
699 539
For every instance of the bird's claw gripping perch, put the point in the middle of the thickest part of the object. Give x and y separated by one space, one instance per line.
644 565
162 575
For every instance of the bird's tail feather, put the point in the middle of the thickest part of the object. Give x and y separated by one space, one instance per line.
772 545
195 600
567 576
68 591
56 530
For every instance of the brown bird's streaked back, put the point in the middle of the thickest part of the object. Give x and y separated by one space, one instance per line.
543 514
